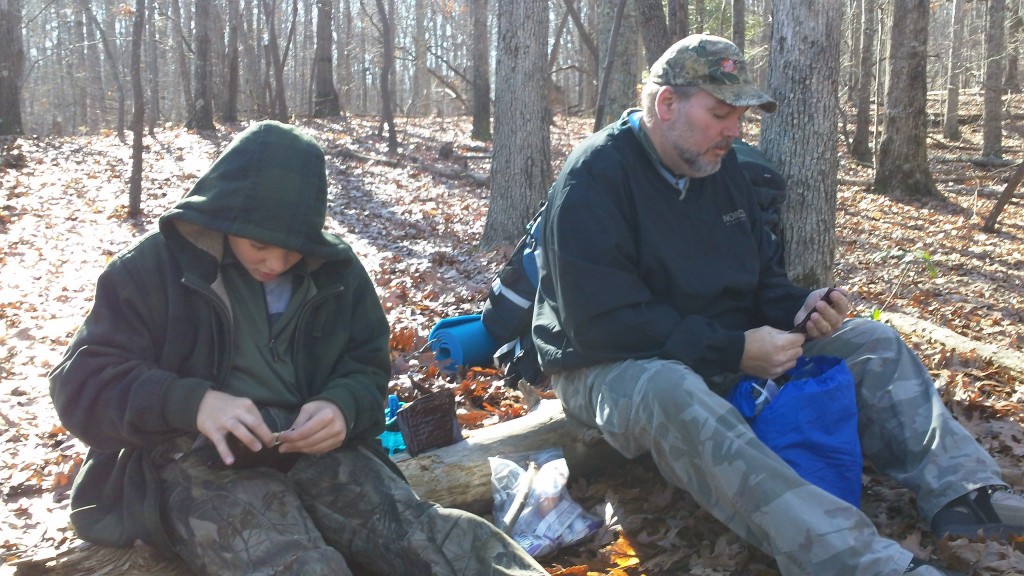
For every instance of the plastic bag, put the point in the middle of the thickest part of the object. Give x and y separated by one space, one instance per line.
809 418
532 504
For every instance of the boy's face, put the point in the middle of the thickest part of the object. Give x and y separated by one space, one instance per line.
263 261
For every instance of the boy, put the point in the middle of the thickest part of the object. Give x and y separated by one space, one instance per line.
230 382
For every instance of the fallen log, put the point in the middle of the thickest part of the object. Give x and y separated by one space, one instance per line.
456 476
459 476
1008 360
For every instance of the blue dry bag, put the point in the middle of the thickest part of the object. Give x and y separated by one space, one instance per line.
810 421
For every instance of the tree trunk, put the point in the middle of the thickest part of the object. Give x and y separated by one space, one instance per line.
1011 81
521 169
387 64
481 74
902 167
12 66
275 63
682 19
992 123
739 24
138 111
801 137
655 35
181 48
420 76
153 67
108 49
861 146
229 110
202 113
951 122
600 117
1004 199
325 99
625 72
83 116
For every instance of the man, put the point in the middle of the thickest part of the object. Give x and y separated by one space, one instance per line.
659 285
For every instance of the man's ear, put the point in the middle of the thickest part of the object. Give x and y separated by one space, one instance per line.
665 103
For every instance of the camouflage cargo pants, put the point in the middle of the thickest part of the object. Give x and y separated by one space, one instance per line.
338 514
701 444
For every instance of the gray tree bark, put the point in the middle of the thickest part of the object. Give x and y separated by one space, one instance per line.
902 166
138 111
992 122
951 122
801 137
521 168
481 72
625 72
12 66
655 35
202 99
325 99
860 148
739 24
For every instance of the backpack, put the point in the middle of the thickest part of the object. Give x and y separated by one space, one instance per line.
507 313
508 310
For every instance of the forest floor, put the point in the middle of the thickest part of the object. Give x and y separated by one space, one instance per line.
415 220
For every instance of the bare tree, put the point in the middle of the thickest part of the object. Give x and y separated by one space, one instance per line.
902 160
860 148
138 111
12 65
325 100
951 123
521 169
1015 24
481 74
739 23
655 35
992 123
153 66
387 64
624 74
801 137
202 113
229 109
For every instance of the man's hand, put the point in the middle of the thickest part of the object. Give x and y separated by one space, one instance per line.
320 427
822 313
768 352
221 414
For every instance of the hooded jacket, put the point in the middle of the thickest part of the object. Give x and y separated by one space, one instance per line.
159 334
634 267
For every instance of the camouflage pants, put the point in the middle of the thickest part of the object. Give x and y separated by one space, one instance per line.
338 514
701 444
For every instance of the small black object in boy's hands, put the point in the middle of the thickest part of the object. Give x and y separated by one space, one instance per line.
801 326
267 457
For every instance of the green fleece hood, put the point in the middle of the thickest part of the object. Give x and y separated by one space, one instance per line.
269 185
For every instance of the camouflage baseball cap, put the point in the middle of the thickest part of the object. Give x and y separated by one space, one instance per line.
714 64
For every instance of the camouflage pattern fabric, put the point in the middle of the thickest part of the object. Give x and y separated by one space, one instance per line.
341 513
701 444
714 64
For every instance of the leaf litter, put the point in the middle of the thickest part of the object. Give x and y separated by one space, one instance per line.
415 221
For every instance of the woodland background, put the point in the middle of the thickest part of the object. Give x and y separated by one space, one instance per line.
445 122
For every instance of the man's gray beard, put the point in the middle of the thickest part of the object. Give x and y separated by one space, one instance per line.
695 165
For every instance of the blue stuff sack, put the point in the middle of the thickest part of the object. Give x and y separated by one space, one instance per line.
810 421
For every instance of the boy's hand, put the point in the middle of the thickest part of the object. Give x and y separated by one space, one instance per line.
768 352
320 427
221 414
822 313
